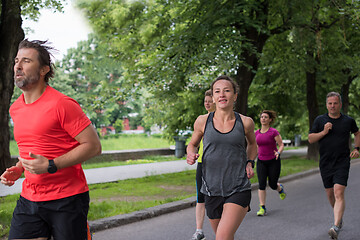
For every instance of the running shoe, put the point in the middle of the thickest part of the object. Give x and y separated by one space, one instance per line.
262 211
282 193
198 236
341 224
334 232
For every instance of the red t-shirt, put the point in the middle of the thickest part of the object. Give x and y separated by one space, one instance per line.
47 127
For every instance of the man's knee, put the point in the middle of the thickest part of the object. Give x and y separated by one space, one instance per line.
339 191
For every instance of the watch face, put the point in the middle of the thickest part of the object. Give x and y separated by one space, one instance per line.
52 167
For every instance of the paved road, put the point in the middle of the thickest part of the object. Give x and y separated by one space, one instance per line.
304 214
111 174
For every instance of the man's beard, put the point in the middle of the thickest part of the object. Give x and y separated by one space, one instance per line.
27 81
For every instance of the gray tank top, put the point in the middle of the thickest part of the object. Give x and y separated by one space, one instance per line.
224 160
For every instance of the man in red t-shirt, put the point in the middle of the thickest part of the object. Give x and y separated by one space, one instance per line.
54 137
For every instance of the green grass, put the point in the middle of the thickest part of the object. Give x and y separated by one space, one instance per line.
134 141
147 159
14 151
110 199
136 194
123 142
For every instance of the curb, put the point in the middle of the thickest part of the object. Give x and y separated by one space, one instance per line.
123 219
119 220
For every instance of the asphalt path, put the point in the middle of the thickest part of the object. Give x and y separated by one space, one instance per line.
304 214
111 174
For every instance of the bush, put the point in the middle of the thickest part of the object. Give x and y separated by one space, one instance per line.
157 135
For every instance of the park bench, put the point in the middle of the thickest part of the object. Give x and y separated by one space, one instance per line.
287 142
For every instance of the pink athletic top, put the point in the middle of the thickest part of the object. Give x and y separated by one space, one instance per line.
47 127
266 144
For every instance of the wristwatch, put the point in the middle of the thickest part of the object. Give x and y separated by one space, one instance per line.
252 163
357 148
52 167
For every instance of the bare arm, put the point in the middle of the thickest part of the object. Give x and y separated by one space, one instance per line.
355 153
314 137
280 143
251 150
250 137
89 146
192 148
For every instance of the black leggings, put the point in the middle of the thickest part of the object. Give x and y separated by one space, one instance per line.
269 169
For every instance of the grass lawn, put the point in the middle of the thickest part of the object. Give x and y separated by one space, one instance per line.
123 142
109 199
147 159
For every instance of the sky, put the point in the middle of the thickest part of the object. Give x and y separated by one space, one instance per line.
63 30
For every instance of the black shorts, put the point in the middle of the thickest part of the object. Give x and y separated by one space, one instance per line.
200 198
338 175
214 205
64 219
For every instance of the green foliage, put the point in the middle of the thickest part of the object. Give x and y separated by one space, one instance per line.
94 78
118 125
288 58
30 9
166 53
176 48
177 113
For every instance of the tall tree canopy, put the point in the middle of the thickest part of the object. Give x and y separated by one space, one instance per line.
168 46
177 47
306 62
94 78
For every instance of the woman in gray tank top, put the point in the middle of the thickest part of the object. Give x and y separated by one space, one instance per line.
228 158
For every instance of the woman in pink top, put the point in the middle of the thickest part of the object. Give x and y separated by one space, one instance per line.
268 166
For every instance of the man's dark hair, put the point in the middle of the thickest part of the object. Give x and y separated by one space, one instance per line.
44 55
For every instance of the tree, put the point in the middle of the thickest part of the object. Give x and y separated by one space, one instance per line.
322 29
95 79
11 34
119 125
311 59
165 45
171 47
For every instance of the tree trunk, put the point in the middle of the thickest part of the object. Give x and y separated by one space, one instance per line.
245 74
313 109
345 89
244 78
11 34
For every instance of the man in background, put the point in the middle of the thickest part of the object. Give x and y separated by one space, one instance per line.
332 131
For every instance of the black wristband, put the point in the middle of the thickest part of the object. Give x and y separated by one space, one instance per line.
357 148
252 163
